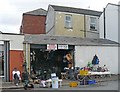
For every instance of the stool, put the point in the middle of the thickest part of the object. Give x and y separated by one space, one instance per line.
63 75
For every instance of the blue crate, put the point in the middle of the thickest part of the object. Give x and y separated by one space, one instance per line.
91 81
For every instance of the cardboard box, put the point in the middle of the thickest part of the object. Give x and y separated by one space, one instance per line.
83 72
73 84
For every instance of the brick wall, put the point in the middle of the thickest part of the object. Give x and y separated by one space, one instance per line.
16 60
32 24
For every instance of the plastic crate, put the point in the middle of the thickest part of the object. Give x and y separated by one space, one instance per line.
73 84
83 72
91 82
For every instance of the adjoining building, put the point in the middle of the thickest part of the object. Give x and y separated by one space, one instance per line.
109 22
33 22
74 22
12 54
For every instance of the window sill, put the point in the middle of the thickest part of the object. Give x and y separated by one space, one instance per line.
93 29
68 27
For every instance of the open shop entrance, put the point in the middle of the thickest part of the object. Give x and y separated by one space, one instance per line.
43 62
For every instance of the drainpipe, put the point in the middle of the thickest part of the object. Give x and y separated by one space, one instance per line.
84 27
104 24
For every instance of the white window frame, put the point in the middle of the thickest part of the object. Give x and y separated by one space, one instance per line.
93 23
68 21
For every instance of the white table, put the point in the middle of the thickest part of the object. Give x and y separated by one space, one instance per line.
99 73
90 73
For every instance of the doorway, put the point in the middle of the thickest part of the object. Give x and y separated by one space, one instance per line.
43 60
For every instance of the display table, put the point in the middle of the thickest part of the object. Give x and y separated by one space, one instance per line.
99 73
90 73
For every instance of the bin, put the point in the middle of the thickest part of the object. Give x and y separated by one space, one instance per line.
55 82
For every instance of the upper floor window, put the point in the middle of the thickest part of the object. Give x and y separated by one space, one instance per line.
93 23
68 21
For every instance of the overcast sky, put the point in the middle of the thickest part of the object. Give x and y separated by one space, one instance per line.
11 10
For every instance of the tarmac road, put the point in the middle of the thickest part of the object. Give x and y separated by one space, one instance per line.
109 85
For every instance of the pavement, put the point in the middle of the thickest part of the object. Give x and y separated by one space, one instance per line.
10 85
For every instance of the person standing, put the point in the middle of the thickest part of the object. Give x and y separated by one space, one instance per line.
69 59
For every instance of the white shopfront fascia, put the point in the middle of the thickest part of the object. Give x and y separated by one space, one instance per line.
62 46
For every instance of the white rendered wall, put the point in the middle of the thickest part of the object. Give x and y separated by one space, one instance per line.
0 36
50 21
101 26
111 23
16 41
106 55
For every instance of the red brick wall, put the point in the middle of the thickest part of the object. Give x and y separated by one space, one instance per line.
16 60
32 24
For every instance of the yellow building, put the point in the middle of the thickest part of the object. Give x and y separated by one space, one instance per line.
75 22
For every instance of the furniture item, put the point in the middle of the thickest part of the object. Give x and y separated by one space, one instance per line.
64 75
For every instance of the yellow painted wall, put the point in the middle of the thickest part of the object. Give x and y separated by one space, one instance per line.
77 22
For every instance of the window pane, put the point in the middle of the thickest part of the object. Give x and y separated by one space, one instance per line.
68 18
68 21
93 23
68 24
93 20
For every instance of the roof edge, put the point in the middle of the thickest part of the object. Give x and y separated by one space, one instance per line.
76 8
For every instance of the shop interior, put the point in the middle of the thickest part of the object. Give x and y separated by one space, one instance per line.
44 62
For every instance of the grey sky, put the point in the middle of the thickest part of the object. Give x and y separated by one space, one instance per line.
11 10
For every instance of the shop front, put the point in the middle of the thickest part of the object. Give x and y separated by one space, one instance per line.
47 54
4 60
11 54
48 58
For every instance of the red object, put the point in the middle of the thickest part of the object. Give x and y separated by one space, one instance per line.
16 60
32 24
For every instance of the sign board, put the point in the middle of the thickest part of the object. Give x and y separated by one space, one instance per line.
61 46
51 46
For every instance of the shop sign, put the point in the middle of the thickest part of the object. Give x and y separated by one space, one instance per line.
51 46
62 46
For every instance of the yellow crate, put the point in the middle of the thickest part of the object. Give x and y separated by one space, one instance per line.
83 72
73 84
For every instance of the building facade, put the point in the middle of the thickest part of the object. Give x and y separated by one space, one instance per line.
45 52
13 56
109 22
75 22
82 51
33 22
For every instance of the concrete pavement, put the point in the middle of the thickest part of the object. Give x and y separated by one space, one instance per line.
10 85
